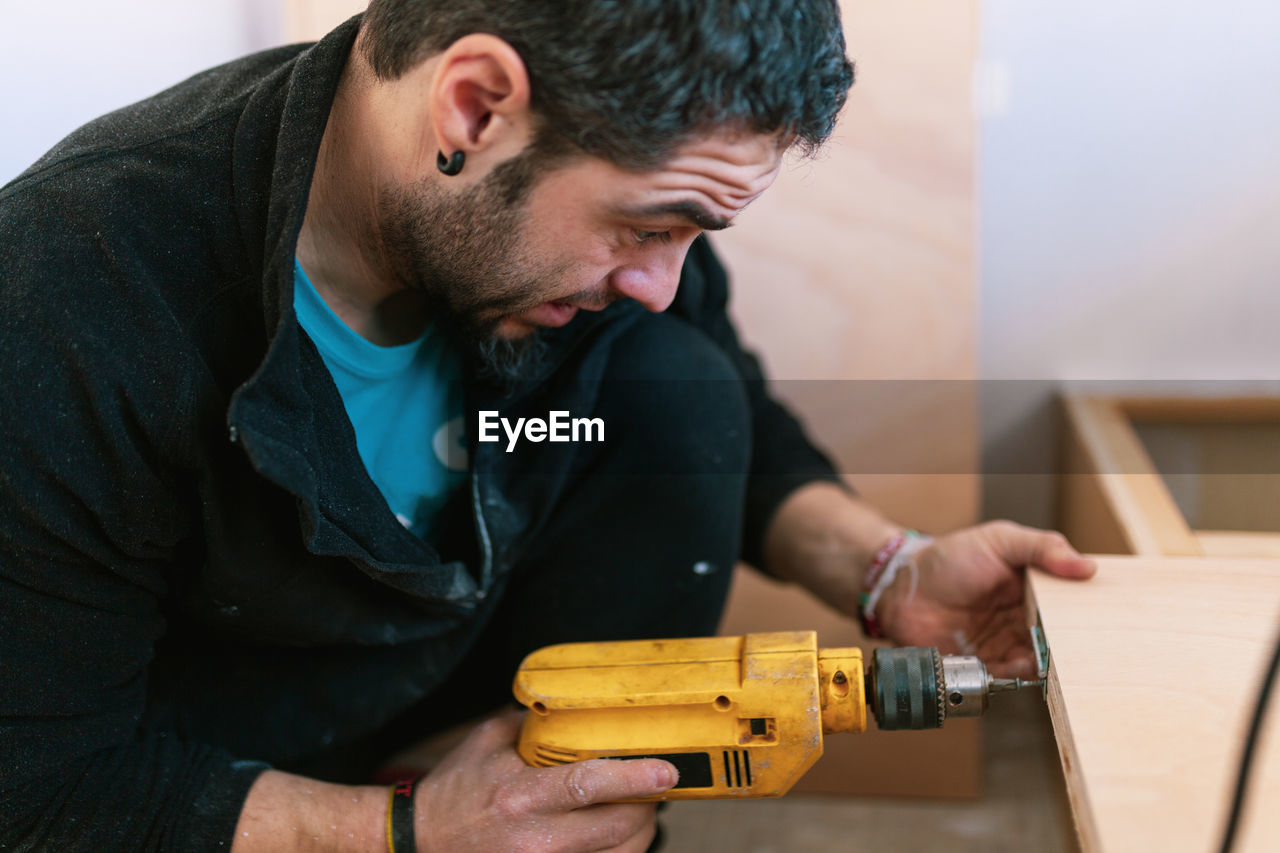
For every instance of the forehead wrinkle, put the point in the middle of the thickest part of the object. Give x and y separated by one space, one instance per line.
723 174
735 176
728 201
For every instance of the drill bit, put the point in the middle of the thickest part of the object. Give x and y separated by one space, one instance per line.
1004 685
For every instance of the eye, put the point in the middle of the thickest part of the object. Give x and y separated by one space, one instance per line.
643 237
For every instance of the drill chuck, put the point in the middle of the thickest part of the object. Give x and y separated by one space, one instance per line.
918 688
905 688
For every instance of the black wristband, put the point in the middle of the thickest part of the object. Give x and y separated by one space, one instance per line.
400 817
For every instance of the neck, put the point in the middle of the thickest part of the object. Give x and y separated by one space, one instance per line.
340 245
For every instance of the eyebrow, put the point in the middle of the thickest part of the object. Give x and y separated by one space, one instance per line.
690 211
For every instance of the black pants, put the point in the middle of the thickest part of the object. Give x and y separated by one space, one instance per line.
643 539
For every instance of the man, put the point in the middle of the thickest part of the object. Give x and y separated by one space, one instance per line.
240 550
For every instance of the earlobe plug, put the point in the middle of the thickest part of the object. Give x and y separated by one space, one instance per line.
451 165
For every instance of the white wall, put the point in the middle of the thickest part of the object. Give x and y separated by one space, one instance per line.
1129 204
64 63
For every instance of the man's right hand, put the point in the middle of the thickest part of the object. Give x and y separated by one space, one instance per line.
483 797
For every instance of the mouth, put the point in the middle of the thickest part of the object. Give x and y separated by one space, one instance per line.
549 314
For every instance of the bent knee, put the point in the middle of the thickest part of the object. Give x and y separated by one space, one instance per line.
668 386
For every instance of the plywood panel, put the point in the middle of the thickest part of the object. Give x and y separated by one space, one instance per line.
1155 667
1204 410
1231 543
1143 475
1122 499
1085 511
1223 474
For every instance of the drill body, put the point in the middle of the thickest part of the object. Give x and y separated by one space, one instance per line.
737 716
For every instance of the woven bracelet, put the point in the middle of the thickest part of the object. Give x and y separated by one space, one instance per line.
884 568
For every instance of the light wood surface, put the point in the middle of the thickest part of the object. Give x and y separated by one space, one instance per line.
1107 462
1224 475
1155 668
1212 410
1145 475
1231 543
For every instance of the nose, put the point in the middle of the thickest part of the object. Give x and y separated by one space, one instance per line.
651 281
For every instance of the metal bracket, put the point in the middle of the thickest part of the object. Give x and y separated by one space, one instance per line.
1041 646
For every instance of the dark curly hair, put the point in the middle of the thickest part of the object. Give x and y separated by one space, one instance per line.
630 80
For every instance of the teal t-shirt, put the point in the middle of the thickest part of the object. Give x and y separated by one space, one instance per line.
404 402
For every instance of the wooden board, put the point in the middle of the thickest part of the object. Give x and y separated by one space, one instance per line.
1223 475
1155 666
1172 476
1232 543
1113 498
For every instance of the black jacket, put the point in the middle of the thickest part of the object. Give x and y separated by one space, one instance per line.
191 554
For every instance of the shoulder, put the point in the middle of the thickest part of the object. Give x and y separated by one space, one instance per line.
134 216
193 107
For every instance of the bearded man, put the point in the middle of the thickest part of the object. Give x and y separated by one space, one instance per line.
254 534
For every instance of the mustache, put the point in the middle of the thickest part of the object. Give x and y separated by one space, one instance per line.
592 300
589 299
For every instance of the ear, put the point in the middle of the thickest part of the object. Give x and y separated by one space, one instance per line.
479 100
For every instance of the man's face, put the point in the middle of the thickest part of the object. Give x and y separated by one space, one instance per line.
586 234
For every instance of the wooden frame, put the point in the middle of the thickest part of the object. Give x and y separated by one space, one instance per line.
1112 498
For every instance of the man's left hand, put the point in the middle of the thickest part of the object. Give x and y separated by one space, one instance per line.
965 593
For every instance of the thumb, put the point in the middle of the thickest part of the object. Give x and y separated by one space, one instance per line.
602 780
1045 549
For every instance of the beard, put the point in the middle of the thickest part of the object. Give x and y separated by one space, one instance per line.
465 253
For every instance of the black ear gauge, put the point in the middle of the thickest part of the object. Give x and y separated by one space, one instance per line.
451 165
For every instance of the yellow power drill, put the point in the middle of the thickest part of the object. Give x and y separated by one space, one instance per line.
737 716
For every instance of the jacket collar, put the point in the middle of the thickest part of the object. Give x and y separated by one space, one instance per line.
283 415
276 148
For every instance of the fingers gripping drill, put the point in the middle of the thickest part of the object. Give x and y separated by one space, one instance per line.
737 716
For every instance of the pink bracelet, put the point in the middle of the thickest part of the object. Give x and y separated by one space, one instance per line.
882 558
884 567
